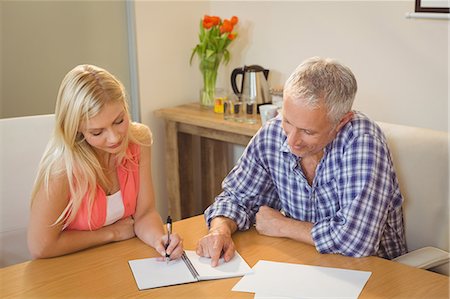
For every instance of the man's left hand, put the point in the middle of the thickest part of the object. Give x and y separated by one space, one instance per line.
269 222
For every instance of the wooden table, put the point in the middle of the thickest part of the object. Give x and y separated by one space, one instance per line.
103 272
183 124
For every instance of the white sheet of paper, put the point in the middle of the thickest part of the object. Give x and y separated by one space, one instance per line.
302 281
266 296
152 273
235 267
262 296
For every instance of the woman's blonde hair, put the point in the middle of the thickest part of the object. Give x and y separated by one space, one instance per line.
84 91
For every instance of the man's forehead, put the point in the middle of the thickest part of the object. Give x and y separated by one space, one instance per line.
303 116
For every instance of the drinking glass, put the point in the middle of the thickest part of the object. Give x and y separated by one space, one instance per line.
232 108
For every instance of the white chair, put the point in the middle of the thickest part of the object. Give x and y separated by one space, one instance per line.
22 143
421 162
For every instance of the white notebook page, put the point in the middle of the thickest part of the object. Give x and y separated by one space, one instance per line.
153 273
235 267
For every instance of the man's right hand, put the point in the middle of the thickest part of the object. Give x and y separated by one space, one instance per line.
218 241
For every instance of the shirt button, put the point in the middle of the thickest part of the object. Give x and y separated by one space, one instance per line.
341 220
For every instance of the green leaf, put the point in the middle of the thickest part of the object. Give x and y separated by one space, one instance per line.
193 54
226 56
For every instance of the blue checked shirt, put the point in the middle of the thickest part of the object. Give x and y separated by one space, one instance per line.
354 202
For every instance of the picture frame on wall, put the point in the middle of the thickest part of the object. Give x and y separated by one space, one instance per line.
433 6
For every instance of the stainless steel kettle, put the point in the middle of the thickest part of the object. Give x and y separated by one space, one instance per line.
254 83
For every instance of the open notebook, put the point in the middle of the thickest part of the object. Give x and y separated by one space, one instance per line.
153 273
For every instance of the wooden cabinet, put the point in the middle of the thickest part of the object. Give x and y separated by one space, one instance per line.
183 124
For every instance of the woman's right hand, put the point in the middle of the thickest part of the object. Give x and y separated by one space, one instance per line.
174 249
123 229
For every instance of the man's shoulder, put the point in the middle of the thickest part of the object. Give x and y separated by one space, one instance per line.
269 139
361 125
272 131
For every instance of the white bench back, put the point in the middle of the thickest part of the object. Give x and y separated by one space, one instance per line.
22 143
421 162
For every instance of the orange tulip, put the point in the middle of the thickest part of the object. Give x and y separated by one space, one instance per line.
207 22
231 36
210 21
215 20
226 27
234 20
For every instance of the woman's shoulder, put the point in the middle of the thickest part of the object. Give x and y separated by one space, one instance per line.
141 133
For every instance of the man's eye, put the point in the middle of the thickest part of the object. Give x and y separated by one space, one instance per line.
308 132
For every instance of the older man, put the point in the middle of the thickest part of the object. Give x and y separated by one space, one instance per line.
320 174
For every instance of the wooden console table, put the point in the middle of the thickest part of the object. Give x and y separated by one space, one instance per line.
183 123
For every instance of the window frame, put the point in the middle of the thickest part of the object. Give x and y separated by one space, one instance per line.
421 7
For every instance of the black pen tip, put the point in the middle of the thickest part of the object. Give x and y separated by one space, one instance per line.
169 220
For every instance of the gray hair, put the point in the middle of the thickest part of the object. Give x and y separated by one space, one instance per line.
323 78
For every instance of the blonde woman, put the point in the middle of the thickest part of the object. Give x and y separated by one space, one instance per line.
94 184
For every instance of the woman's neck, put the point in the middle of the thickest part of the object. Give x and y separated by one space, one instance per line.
105 159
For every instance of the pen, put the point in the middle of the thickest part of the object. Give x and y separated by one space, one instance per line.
169 232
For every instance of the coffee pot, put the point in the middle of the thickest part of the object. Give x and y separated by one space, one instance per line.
254 83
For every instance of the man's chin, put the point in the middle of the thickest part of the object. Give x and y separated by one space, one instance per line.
299 154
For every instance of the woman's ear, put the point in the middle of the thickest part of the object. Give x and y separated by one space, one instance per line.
344 120
80 136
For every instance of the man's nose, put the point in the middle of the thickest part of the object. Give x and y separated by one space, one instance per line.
294 138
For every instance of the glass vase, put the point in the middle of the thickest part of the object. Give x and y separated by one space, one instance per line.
209 67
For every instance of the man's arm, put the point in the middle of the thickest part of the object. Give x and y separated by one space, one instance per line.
247 187
218 240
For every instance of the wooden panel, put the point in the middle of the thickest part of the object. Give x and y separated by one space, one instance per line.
215 134
172 170
189 206
214 165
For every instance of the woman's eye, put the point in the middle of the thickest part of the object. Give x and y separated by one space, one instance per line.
119 122
96 134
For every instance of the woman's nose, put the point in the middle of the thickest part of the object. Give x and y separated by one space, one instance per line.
113 137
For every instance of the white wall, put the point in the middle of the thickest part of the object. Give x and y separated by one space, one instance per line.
165 33
401 64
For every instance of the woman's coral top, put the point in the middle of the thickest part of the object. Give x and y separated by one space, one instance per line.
128 174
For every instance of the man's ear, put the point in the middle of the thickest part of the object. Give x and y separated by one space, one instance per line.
344 120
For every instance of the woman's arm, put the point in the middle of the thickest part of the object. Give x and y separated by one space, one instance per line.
148 224
48 240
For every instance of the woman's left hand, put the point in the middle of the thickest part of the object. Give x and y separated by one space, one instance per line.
174 249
